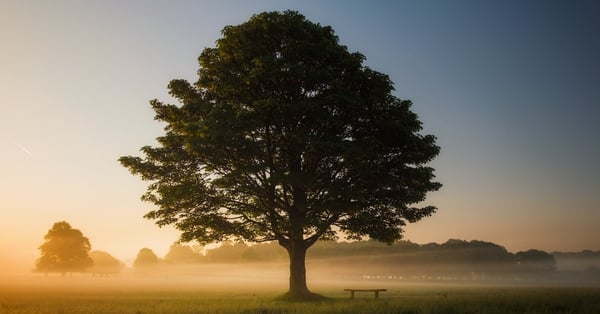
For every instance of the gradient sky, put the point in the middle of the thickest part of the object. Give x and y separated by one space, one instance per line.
510 88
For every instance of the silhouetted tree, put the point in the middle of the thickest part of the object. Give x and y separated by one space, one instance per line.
284 136
65 250
182 254
535 261
105 264
145 259
264 252
228 252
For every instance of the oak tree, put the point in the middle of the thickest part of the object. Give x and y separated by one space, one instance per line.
65 250
286 136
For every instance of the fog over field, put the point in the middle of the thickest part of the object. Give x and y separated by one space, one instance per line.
329 264
196 151
236 293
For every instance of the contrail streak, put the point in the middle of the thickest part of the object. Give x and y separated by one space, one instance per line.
25 150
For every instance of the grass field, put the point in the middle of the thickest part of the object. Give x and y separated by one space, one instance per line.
155 296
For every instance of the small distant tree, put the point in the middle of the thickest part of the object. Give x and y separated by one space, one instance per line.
182 254
228 252
65 250
264 252
105 264
145 259
535 261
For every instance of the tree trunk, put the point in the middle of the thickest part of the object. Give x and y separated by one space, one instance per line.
297 253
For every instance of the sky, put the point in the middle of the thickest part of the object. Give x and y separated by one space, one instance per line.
511 89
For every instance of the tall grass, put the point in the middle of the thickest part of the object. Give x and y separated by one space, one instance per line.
246 299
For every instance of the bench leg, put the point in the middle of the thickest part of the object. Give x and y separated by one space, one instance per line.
352 294
376 294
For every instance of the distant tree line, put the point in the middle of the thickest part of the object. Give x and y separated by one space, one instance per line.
452 260
67 250
453 256
586 260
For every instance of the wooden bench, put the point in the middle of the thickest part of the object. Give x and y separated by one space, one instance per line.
376 291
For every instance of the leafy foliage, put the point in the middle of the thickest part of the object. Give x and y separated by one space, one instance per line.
286 136
65 250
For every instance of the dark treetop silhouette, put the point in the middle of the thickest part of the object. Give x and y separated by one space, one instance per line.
105 264
286 136
145 259
65 250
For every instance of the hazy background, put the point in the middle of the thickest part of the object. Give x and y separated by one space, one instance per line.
511 89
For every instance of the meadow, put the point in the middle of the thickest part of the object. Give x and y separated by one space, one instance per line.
134 295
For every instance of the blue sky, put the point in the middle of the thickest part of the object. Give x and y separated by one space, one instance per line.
510 88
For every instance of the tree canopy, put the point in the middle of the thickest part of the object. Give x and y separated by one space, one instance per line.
286 136
536 260
65 250
182 254
145 259
105 264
